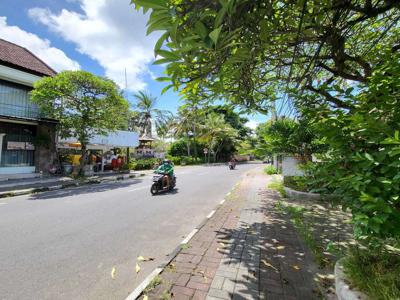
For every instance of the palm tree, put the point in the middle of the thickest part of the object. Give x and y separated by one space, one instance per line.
186 124
215 131
148 113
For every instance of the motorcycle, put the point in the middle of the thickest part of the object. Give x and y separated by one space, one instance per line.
231 165
158 184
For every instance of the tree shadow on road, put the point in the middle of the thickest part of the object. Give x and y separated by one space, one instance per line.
86 189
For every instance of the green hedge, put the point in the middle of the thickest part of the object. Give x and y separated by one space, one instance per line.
184 160
144 164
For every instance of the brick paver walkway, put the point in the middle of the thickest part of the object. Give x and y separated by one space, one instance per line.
245 251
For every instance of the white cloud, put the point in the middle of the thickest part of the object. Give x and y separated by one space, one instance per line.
52 56
108 31
252 124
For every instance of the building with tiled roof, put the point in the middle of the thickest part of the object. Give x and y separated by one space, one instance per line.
21 58
27 137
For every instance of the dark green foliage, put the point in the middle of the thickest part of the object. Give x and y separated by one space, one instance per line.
363 163
179 148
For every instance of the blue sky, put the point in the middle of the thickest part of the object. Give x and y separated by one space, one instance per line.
101 36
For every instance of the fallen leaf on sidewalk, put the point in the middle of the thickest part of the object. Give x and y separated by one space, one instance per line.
145 297
280 247
113 272
296 267
141 258
137 268
268 264
222 244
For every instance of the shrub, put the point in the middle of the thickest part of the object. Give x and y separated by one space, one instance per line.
184 160
144 164
298 183
270 170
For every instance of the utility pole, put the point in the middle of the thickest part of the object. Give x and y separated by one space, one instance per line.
126 95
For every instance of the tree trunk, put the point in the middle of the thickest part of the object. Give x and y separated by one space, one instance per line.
83 159
196 154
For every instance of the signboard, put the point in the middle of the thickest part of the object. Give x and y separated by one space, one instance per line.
16 146
205 150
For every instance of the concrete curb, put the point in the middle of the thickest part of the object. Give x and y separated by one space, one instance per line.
343 290
291 194
142 286
28 191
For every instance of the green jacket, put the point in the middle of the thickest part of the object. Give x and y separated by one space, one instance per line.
166 169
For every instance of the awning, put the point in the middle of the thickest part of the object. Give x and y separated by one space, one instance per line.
118 138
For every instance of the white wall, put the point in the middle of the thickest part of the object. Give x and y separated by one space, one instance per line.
290 167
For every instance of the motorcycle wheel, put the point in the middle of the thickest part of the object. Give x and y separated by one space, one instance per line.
154 189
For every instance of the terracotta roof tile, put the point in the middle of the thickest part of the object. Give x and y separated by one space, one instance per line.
22 58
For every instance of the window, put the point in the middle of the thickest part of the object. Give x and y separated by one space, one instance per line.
14 101
17 149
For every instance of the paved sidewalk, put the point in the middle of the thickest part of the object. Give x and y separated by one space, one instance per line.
245 251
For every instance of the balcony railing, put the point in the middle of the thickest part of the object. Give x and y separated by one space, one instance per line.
19 111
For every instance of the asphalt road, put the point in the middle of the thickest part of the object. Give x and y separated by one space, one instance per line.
63 244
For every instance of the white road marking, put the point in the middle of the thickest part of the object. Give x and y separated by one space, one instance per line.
211 214
137 189
222 201
190 235
136 293
1 203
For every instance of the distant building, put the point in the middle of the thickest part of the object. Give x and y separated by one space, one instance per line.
27 137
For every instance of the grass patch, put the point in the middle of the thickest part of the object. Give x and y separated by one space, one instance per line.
152 285
304 228
270 170
375 272
277 186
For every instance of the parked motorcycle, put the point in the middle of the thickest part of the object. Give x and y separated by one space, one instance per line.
158 184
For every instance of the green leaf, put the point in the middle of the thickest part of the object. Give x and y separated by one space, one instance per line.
200 29
369 157
163 79
168 55
215 34
161 24
160 42
165 89
220 17
151 3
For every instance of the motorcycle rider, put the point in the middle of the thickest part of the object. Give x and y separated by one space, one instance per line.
167 169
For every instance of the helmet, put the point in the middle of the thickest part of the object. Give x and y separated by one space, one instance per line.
166 161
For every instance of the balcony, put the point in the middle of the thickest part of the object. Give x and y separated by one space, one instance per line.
28 111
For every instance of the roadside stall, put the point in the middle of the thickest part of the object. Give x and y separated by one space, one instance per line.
105 152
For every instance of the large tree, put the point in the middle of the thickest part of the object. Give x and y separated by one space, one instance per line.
84 104
252 51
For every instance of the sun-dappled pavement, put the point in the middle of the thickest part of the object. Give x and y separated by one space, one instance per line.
249 249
